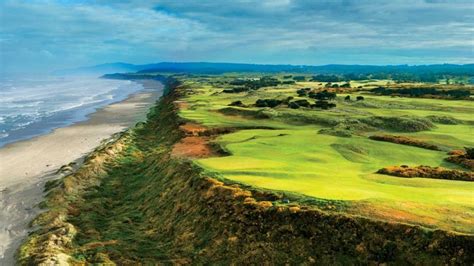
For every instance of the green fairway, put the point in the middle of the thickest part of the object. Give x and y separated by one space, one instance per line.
294 157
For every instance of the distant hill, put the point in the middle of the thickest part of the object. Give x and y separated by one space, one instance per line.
218 68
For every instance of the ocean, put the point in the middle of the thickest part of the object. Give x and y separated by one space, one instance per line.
31 107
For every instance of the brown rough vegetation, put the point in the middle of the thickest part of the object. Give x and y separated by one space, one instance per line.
181 104
427 172
457 152
405 141
197 142
460 157
192 129
192 147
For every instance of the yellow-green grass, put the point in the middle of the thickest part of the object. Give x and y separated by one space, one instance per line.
295 158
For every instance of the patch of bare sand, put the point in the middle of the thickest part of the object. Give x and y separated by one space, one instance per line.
192 129
192 147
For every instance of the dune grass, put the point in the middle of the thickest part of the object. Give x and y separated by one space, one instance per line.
293 157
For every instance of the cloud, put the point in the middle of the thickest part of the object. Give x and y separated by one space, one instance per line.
84 34
66 33
360 22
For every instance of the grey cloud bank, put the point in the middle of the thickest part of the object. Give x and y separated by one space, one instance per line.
41 36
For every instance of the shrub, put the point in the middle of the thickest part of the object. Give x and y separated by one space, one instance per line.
299 78
360 98
463 158
405 141
419 92
469 152
301 92
347 98
273 103
427 172
447 120
261 103
245 112
268 103
345 85
321 104
401 124
303 103
287 100
336 132
236 103
323 95
236 90
293 105
324 105
255 84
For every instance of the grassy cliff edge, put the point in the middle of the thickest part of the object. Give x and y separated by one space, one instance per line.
132 202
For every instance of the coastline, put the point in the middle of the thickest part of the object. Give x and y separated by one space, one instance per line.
26 165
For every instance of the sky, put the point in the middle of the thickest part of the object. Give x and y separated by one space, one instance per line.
45 35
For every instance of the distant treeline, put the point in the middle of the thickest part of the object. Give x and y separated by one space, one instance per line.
242 85
397 77
418 92
256 83
325 73
333 73
446 69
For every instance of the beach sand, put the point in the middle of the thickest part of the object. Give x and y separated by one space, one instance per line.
25 166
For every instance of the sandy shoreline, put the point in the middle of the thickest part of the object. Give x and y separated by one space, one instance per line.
26 165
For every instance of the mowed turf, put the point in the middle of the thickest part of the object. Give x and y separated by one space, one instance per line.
293 157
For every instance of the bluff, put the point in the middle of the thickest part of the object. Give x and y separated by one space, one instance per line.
132 202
